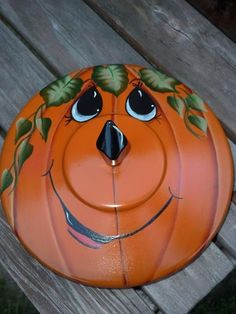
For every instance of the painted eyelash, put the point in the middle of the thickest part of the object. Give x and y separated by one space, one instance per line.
68 119
159 117
136 82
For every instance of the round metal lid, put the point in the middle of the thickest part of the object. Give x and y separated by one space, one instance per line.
116 175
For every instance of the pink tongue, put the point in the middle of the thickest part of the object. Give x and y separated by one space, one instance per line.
84 240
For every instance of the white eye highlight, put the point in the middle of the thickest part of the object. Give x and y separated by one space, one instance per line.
80 117
143 117
88 106
140 105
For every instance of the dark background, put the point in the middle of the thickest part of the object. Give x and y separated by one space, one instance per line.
222 13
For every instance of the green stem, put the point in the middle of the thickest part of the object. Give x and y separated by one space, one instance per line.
76 75
186 114
16 172
28 137
186 121
43 107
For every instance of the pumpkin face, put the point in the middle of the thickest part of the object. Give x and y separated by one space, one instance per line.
116 176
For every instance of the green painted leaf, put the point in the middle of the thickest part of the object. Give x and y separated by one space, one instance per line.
195 102
6 180
23 126
176 103
111 78
25 150
61 91
158 81
199 122
43 125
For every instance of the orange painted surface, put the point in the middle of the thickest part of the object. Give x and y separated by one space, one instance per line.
165 166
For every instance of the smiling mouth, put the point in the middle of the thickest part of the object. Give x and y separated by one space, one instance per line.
93 239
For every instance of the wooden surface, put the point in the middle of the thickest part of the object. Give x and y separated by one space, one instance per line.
227 235
179 293
233 150
43 41
175 35
21 75
68 31
220 12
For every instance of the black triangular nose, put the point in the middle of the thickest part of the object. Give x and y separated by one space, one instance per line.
111 140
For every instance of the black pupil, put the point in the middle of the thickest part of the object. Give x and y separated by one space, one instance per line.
140 102
90 102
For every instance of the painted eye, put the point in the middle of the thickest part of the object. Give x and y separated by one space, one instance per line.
88 106
140 105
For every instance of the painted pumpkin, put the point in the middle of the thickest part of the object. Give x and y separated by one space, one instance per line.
116 175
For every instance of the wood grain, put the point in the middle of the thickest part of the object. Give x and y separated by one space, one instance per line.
179 293
234 198
65 44
21 76
233 150
172 33
227 235
69 35
220 12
